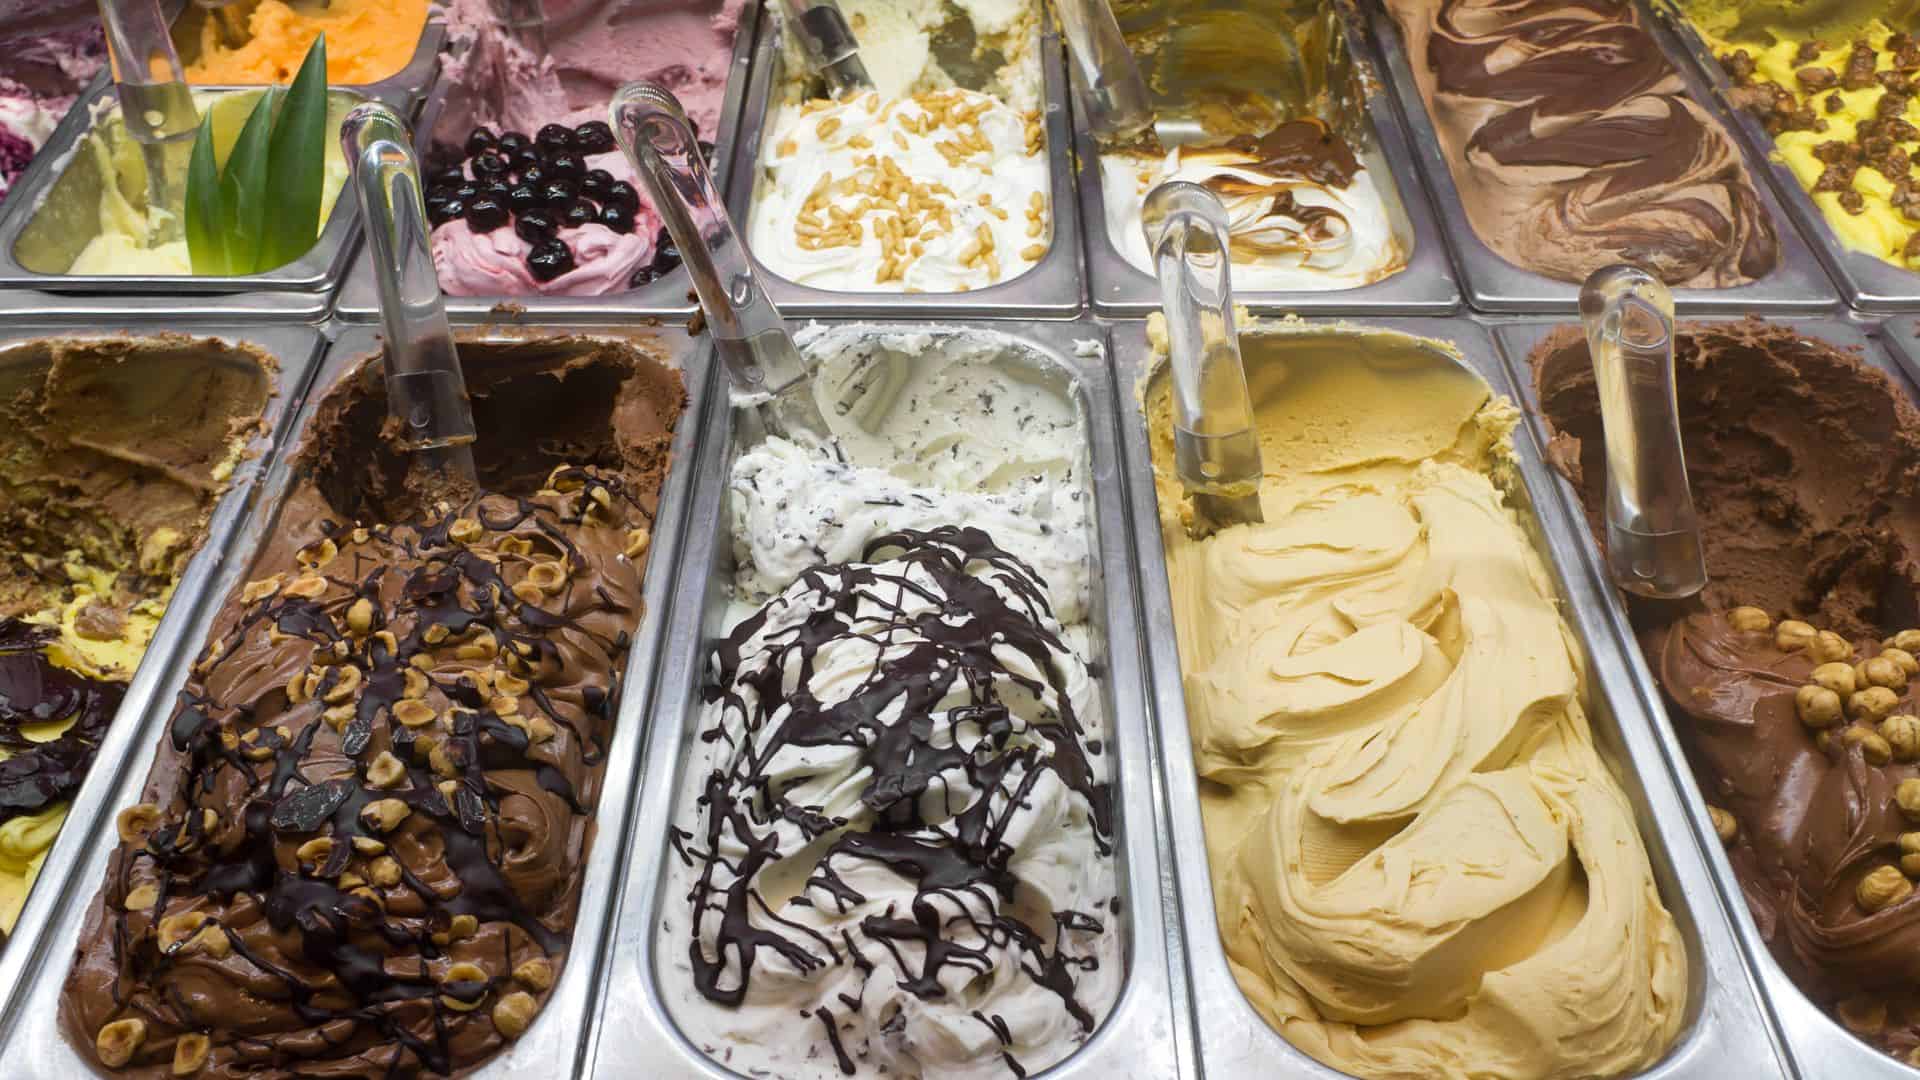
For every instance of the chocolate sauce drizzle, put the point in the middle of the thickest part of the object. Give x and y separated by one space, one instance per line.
279 734
34 691
941 718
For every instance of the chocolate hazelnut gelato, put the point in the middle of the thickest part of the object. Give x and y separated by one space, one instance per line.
1574 144
113 453
361 846
1792 681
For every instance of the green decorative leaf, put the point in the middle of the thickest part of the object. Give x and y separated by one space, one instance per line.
243 184
206 224
279 159
298 170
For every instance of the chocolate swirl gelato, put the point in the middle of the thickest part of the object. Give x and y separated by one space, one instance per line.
361 847
1574 145
1792 681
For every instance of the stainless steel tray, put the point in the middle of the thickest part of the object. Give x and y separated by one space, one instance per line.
407 84
636 1036
1866 283
1904 336
1425 285
297 350
1796 283
61 163
30 1035
670 297
1052 289
1726 1032
1819 1048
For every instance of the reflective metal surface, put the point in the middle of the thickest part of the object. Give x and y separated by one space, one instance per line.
1796 284
1866 283
1725 1033
1052 289
635 1035
1425 285
669 298
29 1026
1819 1048
151 691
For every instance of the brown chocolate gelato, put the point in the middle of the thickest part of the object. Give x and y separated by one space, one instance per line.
113 453
1792 680
1574 145
363 836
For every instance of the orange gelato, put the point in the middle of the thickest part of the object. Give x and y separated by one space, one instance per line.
367 40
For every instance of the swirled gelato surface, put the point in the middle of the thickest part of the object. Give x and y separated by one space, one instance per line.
1302 212
49 52
1421 865
266 41
1805 464
361 846
894 854
114 453
1574 144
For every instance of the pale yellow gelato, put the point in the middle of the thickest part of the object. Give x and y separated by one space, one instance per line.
122 246
1421 865
1827 104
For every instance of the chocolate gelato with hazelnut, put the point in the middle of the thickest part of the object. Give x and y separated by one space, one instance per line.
361 843
113 453
1792 681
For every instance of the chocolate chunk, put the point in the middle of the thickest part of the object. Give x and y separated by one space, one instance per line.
306 809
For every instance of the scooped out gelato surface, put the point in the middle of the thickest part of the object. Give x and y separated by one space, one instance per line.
528 193
264 42
1421 864
363 842
95 219
113 453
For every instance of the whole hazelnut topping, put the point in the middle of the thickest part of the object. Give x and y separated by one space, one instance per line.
137 822
1902 732
384 815
1908 640
1828 646
1725 825
119 1041
1863 1015
1907 797
386 771
1817 706
1881 671
1792 635
1882 888
514 1013
537 974
1903 659
1837 677
1872 705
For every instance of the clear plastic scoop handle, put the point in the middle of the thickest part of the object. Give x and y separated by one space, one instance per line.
154 97
1216 445
652 128
1653 531
830 45
1112 93
426 391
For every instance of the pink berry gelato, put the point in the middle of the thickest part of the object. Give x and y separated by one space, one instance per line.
49 51
500 87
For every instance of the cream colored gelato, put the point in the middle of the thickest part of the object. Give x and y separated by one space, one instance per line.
1422 867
